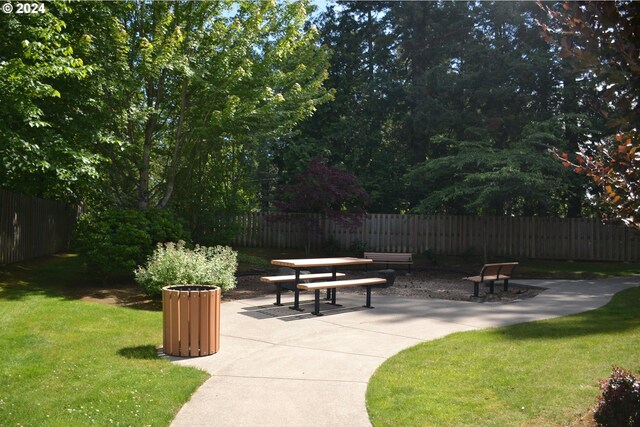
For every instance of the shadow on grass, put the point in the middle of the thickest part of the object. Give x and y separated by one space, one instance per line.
139 352
64 276
620 315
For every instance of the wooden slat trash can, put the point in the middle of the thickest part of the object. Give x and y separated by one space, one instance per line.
191 320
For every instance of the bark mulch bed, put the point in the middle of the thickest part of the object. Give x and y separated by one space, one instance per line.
432 283
424 283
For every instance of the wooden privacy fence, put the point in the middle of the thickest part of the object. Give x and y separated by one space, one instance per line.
31 227
521 237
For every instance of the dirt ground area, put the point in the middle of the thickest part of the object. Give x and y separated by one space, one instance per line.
434 283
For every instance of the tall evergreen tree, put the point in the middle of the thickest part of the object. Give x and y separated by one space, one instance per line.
357 130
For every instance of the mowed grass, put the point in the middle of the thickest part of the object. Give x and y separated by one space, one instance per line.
68 362
577 269
536 374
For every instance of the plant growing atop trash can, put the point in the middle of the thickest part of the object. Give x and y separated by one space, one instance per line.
190 281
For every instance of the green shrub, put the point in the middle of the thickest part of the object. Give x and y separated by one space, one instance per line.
431 256
174 264
358 247
113 242
331 246
619 404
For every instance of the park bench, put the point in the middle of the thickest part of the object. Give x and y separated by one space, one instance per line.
390 258
332 285
490 273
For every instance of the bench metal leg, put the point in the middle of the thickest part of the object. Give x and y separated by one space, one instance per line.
476 289
278 293
491 289
506 285
317 304
369 297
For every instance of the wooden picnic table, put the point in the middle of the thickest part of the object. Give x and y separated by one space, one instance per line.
320 262
297 264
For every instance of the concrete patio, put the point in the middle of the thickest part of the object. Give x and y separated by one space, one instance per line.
279 367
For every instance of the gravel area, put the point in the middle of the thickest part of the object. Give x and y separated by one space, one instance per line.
441 284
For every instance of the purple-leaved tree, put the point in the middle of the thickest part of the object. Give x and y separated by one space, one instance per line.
330 192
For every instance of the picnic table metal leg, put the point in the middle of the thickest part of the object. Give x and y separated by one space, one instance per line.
331 292
296 293
317 304
334 277
368 297
506 285
278 293
333 298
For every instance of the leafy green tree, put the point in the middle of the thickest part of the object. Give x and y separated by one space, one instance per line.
272 79
36 53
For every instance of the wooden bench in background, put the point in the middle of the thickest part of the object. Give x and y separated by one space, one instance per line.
491 273
390 258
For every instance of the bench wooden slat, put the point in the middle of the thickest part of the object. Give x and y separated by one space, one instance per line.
369 281
389 257
486 278
292 277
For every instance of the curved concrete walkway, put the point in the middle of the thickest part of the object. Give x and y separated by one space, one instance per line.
277 367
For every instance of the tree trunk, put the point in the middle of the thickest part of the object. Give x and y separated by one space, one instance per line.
173 168
153 102
143 185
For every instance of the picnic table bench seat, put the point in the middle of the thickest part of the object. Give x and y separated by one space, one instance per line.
328 281
368 282
288 281
491 273
389 258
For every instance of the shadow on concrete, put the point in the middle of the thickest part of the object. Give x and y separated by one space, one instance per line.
287 314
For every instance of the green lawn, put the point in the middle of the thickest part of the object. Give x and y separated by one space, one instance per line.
577 269
69 362
536 374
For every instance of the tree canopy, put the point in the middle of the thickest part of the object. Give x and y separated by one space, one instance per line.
211 108
601 41
173 102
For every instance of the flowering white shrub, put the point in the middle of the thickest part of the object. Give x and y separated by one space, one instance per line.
174 264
